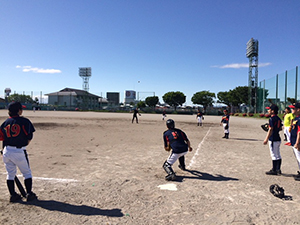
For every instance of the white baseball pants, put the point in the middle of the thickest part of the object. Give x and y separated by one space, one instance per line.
16 157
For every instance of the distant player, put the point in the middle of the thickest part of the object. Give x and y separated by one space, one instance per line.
177 141
164 115
135 113
16 132
225 123
199 118
274 140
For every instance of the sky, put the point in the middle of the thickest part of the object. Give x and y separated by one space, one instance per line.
149 46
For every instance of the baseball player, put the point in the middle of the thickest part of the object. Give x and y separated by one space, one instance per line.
199 118
135 113
164 115
288 117
274 140
295 136
225 123
16 132
176 140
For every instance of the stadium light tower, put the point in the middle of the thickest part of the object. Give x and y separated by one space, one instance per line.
252 55
85 73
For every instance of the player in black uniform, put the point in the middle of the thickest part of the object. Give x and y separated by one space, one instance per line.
135 113
176 140
273 139
16 132
199 118
225 123
295 136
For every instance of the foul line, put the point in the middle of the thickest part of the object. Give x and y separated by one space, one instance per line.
51 179
55 179
193 160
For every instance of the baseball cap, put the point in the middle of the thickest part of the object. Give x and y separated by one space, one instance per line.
14 107
273 107
295 105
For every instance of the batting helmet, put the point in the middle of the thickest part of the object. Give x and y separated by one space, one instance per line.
170 124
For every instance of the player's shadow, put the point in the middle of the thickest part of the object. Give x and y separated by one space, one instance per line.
85 210
204 176
245 139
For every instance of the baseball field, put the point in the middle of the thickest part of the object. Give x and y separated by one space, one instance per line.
99 168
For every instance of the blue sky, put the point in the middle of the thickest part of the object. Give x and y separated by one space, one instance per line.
144 45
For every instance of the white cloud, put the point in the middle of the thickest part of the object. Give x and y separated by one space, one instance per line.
37 70
240 65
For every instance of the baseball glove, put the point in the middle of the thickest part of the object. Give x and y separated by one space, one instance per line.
277 191
265 127
226 127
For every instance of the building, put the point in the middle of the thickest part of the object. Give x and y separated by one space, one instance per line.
130 97
73 98
113 98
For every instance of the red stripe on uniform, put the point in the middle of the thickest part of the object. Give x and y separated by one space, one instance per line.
24 130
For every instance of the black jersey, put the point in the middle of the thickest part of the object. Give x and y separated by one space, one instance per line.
177 140
276 123
225 119
16 131
295 130
200 114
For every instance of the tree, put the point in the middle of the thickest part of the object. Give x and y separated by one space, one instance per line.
141 104
239 95
20 98
234 97
223 97
204 98
174 98
152 101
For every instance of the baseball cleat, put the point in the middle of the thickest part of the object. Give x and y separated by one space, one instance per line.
15 198
31 197
271 172
182 167
170 177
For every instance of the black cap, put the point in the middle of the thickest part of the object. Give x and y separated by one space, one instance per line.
14 107
273 107
295 105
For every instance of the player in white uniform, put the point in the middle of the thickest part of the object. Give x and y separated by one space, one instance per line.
16 132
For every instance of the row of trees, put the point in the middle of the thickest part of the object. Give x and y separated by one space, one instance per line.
234 97
22 98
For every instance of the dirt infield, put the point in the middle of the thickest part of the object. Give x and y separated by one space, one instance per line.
99 168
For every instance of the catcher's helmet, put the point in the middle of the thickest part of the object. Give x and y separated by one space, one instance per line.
170 124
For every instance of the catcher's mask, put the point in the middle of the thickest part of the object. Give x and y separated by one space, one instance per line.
170 124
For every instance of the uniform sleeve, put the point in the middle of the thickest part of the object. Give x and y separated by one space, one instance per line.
298 127
165 139
271 123
184 136
1 135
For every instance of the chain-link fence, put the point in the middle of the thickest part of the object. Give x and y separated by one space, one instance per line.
283 90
